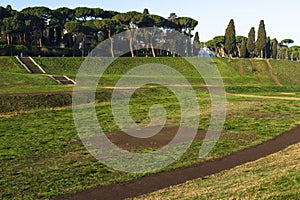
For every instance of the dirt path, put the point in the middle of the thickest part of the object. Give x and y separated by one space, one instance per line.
265 97
275 79
98 91
165 179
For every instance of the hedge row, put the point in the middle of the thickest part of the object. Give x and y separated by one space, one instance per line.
13 50
17 103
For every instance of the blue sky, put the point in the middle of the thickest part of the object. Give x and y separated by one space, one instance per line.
281 19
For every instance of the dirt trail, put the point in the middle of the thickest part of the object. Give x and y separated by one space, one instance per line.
265 97
241 69
275 79
105 89
162 180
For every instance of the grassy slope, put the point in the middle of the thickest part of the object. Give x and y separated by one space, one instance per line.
241 72
288 72
14 78
234 72
10 64
274 177
252 75
60 65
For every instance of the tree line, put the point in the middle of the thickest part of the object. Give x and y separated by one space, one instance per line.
255 45
75 32
79 30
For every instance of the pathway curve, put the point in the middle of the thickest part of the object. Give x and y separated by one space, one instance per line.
162 180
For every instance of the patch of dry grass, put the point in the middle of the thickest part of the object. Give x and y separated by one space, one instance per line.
274 177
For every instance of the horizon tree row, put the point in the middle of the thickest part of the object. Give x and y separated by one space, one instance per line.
75 32
253 46
82 29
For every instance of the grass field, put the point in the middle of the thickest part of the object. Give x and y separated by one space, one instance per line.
42 156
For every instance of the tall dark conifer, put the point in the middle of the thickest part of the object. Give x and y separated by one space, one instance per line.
261 41
244 52
268 48
230 40
251 42
146 11
274 50
196 44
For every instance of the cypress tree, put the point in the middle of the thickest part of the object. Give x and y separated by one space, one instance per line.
196 44
230 40
261 41
274 46
244 52
251 42
268 48
146 11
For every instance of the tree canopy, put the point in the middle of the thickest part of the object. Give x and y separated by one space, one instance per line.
82 28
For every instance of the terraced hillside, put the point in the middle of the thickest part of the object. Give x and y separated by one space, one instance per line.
234 72
238 72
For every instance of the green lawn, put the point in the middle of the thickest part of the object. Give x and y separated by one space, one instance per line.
43 156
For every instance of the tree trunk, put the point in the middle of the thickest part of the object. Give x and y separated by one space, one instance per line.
239 50
131 48
70 41
20 38
130 43
152 49
147 47
8 39
24 36
222 52
41 38
189 44
74 45
111 44
83 46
